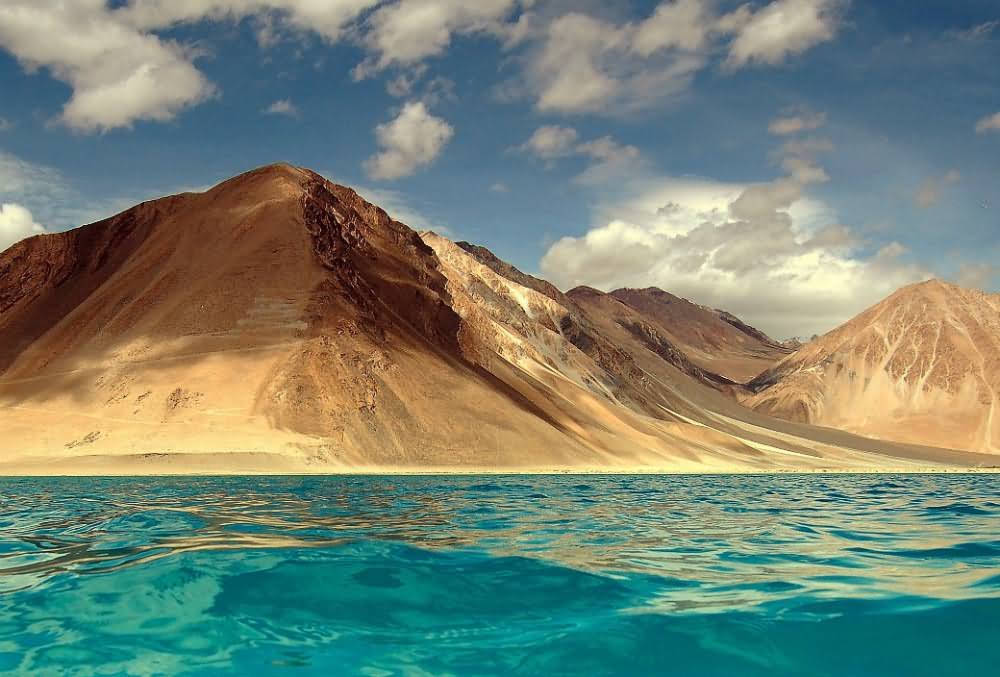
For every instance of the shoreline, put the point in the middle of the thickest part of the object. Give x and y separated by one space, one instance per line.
481 472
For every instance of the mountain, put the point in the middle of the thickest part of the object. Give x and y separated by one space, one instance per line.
277 317
281 323
922 366
715 340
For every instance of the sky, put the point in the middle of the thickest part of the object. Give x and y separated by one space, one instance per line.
790 161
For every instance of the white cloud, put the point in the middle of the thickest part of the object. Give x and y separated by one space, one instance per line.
282 107
412 140
794 124
784 28
118 74
329 19
990 123
684 24
16 223
122 67
405 33
120 70
606 156
551 141
929 192
578 63
6 125
584 64
766 251
798 158
499 187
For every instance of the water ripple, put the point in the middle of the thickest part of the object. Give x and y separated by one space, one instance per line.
513 575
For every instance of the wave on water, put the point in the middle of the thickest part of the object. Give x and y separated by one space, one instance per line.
769 575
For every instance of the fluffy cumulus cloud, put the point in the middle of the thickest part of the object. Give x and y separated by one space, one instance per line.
990 123
118 66
931 189
768 251
580 63
412 140
118 74
583 64
405 33
122 67
575 61
784 28
16 223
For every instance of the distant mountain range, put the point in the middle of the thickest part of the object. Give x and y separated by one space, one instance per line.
281 323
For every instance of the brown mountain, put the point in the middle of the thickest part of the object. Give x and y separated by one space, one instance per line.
715 340
279 322
922 366
276 317
598 357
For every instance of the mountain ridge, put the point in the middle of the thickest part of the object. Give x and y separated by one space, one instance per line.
281 323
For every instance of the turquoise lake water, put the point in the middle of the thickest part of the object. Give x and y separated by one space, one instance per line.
508 575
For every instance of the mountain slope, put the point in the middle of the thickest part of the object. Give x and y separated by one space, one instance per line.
276 317
604 358
715 340
279 322
922 366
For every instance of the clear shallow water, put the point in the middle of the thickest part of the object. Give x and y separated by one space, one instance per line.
713 575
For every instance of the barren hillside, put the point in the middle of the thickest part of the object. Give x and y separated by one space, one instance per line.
279 322
922 366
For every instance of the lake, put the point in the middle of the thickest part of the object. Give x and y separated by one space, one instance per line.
500 575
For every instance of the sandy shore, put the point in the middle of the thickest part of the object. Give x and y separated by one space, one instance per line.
272 465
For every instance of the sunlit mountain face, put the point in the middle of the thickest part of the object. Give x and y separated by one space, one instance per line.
279 322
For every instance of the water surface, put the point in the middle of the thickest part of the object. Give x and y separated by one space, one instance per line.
522 575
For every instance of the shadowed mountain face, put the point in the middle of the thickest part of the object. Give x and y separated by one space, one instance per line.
922 366
279 322
713 339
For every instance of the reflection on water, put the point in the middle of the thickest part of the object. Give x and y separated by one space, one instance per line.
472 575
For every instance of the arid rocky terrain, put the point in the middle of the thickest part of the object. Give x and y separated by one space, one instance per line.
281 323
922 366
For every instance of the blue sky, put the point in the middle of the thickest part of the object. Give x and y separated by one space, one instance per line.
792 161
